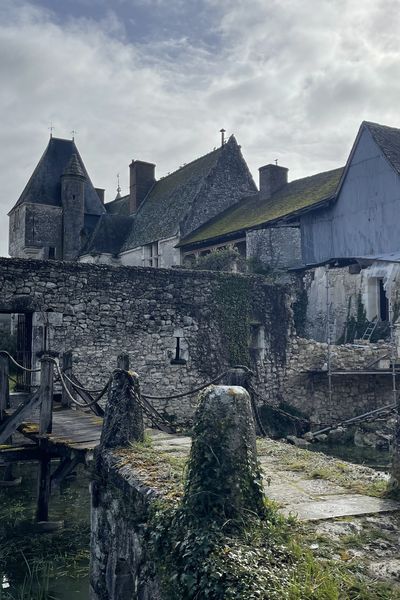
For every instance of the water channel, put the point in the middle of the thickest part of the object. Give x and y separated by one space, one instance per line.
44 566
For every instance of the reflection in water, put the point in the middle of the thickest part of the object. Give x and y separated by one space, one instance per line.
40 566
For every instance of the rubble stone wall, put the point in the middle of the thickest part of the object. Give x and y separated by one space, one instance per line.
352 394
99 311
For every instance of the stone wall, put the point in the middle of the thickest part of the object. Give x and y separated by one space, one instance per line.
99 311
33 228
278 247
119 566
352 394
351 290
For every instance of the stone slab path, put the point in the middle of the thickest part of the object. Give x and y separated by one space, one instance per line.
309 499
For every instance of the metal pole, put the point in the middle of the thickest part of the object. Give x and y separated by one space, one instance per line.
328 335
394 354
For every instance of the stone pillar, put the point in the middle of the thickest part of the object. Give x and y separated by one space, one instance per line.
118 511
123 418
224 481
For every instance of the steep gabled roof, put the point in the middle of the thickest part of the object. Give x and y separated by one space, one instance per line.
251 212
388 140
169 201
108 236
44 186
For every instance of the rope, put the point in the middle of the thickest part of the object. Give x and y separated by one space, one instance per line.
165 425
189 393
4 353
81 404
79 387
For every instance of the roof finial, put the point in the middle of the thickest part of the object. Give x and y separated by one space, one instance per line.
51 129
118 188
73 132
222 131
276 161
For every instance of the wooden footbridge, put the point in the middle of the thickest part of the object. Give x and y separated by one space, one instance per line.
67 427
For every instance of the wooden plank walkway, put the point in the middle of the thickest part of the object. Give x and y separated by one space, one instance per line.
72 429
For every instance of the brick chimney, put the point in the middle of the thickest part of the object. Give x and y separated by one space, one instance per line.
141 180
272 179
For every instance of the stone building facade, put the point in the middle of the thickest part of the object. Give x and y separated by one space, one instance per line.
58 209
60 215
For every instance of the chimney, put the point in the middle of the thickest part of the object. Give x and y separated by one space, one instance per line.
272 179
100 192
141 181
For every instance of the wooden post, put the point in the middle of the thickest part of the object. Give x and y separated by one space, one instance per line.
45 426
67 368
46 395
4 385
123 362
44 482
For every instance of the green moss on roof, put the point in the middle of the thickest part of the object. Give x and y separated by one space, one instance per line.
251 211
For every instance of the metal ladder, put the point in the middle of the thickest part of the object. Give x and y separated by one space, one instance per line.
369 330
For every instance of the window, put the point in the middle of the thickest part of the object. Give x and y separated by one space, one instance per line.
52 253
257 341
180 357
377 300
383 302
151 256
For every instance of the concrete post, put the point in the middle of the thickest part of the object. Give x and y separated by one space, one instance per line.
224 481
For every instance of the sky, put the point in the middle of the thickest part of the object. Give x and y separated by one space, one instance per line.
156 80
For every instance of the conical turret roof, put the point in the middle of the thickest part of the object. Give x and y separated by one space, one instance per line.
61 157
73 167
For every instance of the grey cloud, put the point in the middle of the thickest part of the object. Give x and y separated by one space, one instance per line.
291 79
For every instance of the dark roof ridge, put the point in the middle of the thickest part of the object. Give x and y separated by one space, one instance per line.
58 139
189 164
374 123
306 177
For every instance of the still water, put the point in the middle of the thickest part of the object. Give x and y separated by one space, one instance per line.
44 566
370 457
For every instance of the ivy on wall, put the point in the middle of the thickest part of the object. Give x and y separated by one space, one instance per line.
232 298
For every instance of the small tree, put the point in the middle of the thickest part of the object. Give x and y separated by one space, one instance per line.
221 259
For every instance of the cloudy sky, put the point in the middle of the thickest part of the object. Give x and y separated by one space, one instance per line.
156 80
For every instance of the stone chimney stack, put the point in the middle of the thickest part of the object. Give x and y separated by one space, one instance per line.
142 179
272 179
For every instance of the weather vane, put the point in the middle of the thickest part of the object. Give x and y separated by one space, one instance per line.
51 128
74 132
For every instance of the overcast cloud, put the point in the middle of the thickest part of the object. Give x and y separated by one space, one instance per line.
157 79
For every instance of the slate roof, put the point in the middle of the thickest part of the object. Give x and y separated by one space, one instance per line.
252 212
388 139
169 201
44 186
109 235
118 206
